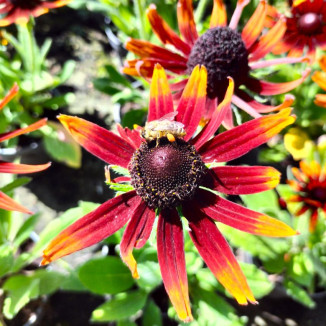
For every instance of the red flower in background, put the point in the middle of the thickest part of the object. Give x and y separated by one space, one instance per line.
305 29
168 172
222 50
19 11
319 77
310 185
5 167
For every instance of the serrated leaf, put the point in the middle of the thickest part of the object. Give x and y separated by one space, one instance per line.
122 306
105 275
120 187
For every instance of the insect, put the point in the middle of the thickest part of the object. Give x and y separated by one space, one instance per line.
164 127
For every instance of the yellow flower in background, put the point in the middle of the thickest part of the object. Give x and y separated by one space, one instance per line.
298 143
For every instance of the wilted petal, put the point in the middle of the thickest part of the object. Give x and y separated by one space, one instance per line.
237 13
13 91
93 227
218 17
137 231
186 21
241 180
9 204
18 132
240 140
100 142
6 167
160 102
192 102
242 218
218 256
170 252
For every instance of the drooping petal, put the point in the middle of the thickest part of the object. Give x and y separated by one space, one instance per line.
6 167
18 132
131 136
240 140
218 256
9 204
93 227
267 88
170 252
273 62
164 32
242 218
137 231
100 142
192 102
160 102
13 91
241 180
186 21
218 17
237 13
268 41
239 102
255 24
217 117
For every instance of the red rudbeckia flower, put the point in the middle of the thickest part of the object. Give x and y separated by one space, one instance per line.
224 52
167 170
305 29
5 167
320 78
310 185
19 11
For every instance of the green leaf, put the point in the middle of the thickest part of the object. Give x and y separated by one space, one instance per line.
152 315
257 280
61 146
120 187
133 117
67 70
119 170
15 184
105 275
122 306
301 269
298 294
261 201
150 275
6 259
26 229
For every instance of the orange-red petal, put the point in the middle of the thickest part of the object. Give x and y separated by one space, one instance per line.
9 204
219 16
186 21
13 91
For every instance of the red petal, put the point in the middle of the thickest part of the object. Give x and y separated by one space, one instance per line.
240 140
217 117
218 256
242 218
170 252
137 231
164 32
93 227
9 204
160 102
6 167
241 180
218 17
186 21
13 91
30 128
131 136
192 102
100 142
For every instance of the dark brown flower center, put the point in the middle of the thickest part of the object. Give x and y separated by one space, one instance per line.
25 4
310 23
319 193
166 174
222 51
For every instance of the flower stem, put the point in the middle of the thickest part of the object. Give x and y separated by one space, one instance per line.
200 10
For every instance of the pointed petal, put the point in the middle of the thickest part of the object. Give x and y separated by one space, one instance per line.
218 17
170 252
18 132
192 102
13 91
242 218
240 140
239 102
138 230
255 24
218 256
160 102
241 180
217 117
100 142
186 21
6 167
93 227
228 122
267 88
131 136
9 204
164 32
237 13
267 42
